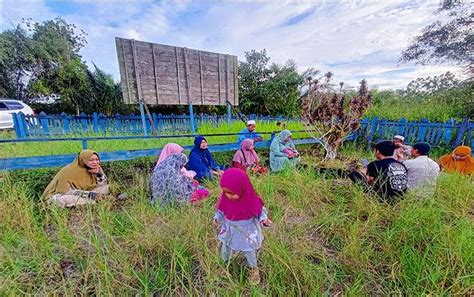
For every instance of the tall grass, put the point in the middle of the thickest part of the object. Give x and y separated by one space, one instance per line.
329 237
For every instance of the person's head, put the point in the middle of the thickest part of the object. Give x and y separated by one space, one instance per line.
384 149
200 142
247 145
176 161
173 148
420 149
251 125
285 136
398 140
89 159
461 153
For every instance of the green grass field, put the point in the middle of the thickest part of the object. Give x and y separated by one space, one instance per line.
328 238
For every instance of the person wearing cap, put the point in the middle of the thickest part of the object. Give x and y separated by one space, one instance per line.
249 133
422 171
402 151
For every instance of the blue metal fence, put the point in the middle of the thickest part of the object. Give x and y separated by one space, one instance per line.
54 125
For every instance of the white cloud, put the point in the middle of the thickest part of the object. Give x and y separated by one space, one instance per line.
353 39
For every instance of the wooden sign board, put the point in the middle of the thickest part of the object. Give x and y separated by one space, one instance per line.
168 75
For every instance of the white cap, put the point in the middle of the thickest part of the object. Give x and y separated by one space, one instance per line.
251 122
399 137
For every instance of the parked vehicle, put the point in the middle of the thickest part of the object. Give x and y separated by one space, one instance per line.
9 107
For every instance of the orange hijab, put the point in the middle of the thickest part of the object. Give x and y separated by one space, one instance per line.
450 164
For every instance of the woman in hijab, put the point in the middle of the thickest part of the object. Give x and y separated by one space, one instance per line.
78 183
202 162
459 161
283 152
170 187
246 158
173 148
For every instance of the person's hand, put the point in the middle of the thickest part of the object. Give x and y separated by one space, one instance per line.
219 172
291 156
257 139
363 170
94 170
214 223
266 223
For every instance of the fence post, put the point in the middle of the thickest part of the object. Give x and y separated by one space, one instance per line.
461 131
65 122
95 121
373 129
21 131
117 123
142 115
44 123
229 112
191 118
102 123
402 123
16 125
423 129
84 144
448 133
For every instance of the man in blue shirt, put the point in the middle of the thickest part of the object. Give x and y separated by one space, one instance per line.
249 133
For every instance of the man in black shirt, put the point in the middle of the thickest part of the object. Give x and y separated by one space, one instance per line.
386 176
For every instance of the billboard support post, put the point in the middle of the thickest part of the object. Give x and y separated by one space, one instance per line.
229 112
191 118
142 114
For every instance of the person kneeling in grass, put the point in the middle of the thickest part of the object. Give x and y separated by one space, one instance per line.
386 176
283 152
422 171
246 158
241 212
81 182
459 161
169 186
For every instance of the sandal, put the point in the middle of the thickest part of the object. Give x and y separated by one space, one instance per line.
255 276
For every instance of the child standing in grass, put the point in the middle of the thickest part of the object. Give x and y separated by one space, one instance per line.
241 212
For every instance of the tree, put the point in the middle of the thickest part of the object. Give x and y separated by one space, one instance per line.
270 89
428 85
332 114
106 94
446 41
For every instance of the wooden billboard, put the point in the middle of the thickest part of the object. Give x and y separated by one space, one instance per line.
168 75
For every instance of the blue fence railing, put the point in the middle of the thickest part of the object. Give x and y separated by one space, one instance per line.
54 125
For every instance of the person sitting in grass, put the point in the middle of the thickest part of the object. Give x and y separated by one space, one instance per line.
386 176
81 182
422 171
173 148
170 187
459 161
246 158
241 212
202 162
249 133
283 152
402 151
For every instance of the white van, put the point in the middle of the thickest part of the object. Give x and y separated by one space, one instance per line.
10 106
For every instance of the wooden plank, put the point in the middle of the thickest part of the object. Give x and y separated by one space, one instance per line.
177 74
155 73
219 77
126 73
137 76
227 76
186 69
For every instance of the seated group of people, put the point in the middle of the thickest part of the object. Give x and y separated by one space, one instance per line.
394 172
175 178
178 179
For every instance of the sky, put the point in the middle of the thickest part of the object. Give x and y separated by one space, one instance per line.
353 39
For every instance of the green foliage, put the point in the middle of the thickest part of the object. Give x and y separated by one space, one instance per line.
268 89
437 106
445 41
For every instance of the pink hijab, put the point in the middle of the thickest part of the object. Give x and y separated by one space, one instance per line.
248 206
173 148
245 156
